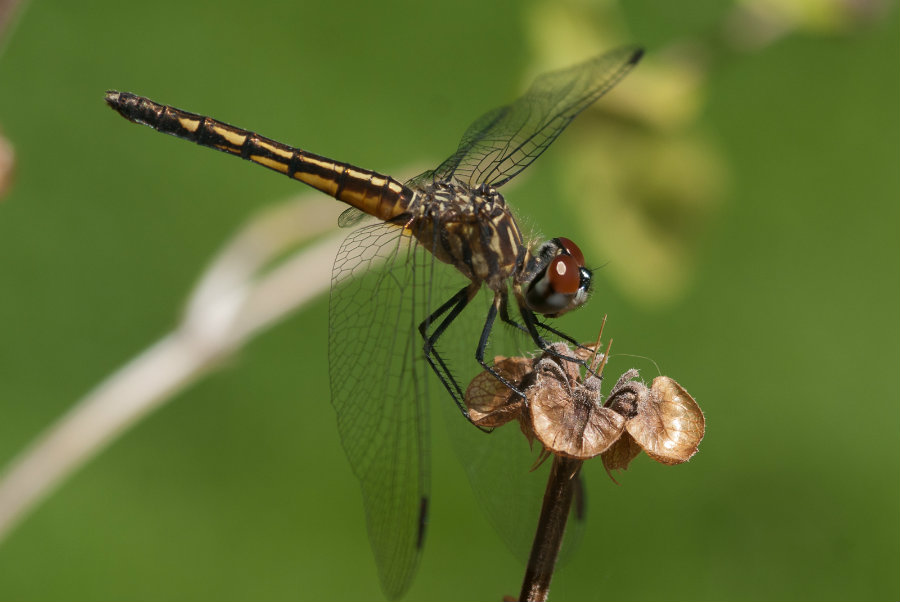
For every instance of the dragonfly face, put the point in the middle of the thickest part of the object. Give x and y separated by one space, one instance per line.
386 319
556 279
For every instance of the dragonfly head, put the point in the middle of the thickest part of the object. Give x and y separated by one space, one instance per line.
558 282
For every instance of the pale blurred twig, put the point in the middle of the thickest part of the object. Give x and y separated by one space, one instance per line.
239 295
10 13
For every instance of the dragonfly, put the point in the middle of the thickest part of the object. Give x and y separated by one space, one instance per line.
386 316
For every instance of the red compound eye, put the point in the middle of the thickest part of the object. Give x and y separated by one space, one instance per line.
563 274
572 249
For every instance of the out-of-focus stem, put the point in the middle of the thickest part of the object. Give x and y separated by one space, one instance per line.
550 530
235 299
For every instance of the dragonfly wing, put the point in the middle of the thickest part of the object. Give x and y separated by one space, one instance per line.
378 389
470 138
508 488
350 218
501 466
503 142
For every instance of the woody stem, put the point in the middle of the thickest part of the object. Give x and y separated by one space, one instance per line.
550 529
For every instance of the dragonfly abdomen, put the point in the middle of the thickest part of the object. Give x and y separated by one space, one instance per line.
373 193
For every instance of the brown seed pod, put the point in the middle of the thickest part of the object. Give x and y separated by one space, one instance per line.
564 412
620 454
490 402
663 420
567 416
672 426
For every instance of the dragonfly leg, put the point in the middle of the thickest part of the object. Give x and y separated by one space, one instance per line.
541 342
506 318
531 323
558 333
504 314
454 306
498 304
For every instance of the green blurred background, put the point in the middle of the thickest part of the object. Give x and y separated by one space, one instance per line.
788 334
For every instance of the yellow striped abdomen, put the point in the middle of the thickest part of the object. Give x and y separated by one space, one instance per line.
373 193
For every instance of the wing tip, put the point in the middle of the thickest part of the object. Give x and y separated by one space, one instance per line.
423 522
636 55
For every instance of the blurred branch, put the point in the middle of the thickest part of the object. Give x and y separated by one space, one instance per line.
755 24
7 165
8 18
10 13
7 8
239 295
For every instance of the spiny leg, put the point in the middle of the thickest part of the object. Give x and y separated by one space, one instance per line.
531 324
558 333
499 304
507 319
454 306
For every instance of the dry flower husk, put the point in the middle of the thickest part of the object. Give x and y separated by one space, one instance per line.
566 415
490 402
621 453
664 421
670 430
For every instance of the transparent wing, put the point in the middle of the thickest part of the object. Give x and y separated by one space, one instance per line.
504 141
500 466
378 384
351 218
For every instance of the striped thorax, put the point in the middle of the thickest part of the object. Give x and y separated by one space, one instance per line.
470 229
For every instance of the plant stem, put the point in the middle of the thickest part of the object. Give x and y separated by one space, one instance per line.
550 529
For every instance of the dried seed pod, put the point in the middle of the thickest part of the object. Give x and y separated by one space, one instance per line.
567 416
570 369
585 351
663 420
671 429
628 395
627 398
490 402
620 454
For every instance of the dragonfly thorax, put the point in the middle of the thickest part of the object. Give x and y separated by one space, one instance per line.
472 229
